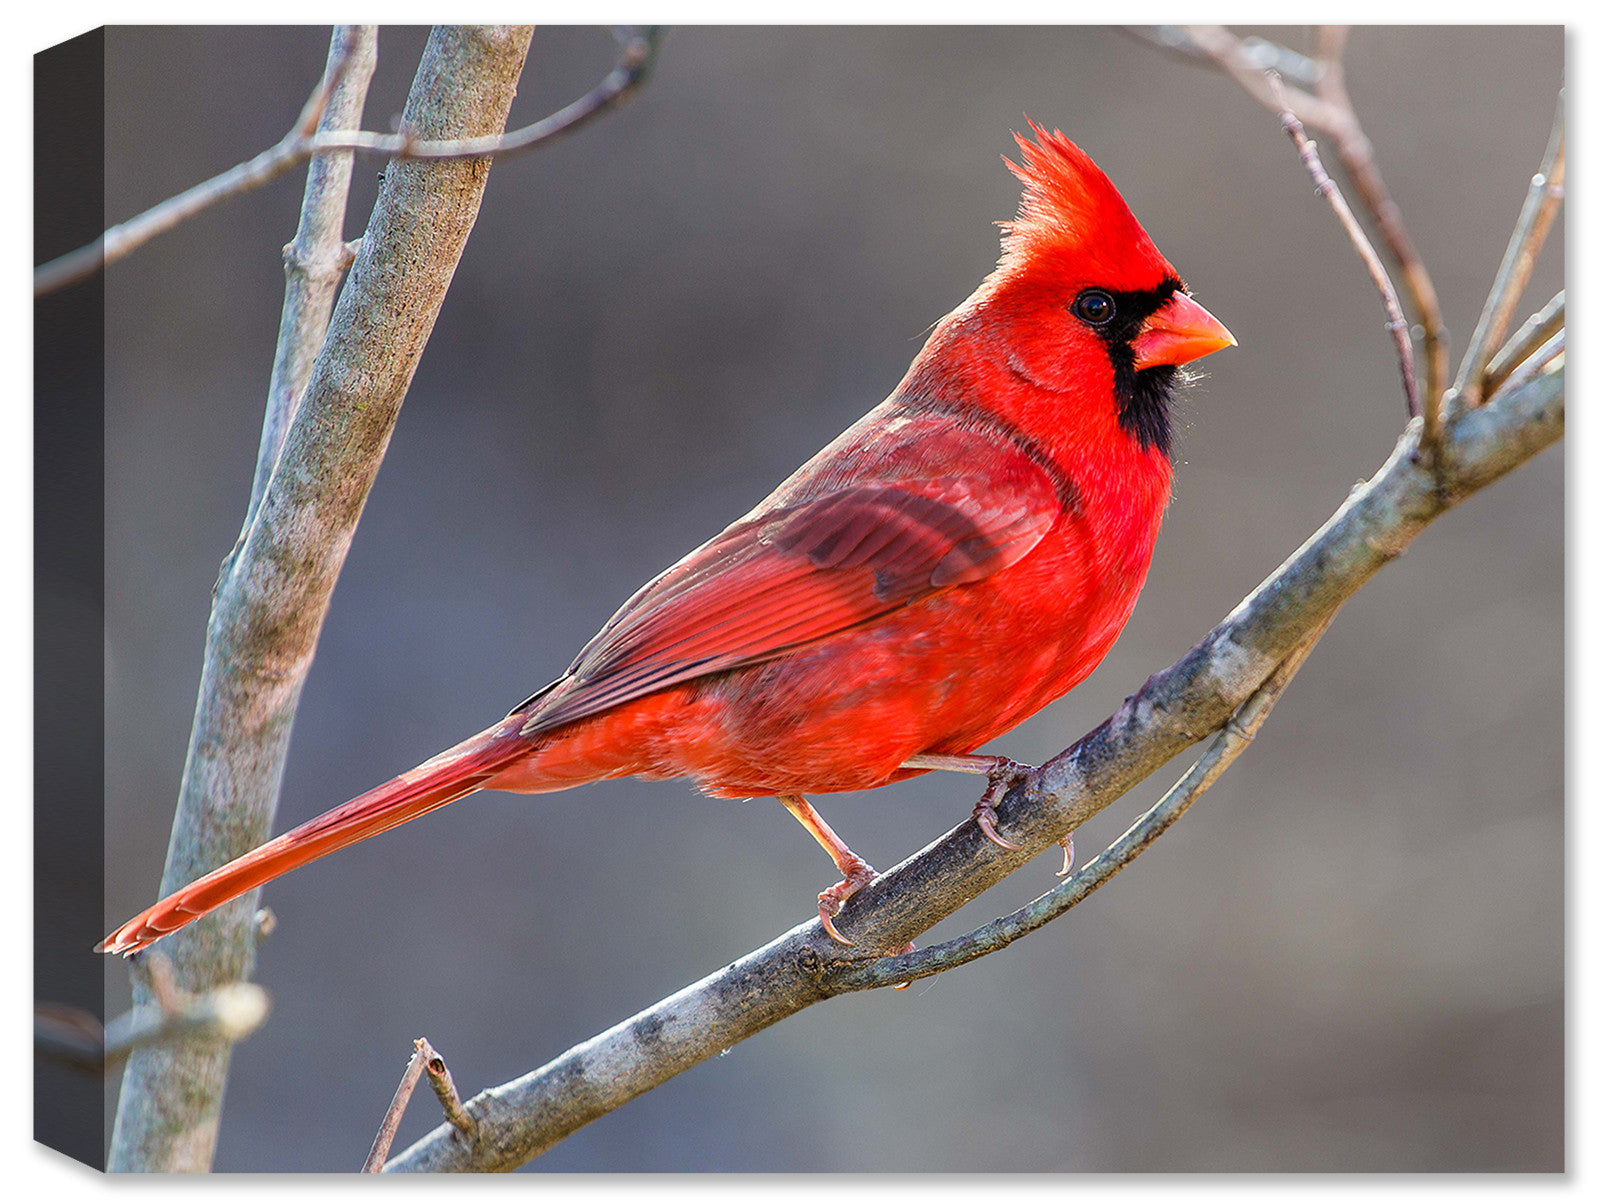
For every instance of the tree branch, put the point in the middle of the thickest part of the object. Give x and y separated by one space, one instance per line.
634 63
1175 709
271 600
379 1154
424 1060
224 1014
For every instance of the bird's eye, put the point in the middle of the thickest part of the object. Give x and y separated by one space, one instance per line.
1094 306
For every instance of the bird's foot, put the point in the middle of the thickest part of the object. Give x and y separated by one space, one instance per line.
858 873
831 900
1002 772
1002 775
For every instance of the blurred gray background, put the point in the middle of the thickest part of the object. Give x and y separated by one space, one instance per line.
1347 957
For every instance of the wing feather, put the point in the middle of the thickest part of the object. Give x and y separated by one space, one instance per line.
789 575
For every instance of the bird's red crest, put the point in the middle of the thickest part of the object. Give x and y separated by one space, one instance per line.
1070 209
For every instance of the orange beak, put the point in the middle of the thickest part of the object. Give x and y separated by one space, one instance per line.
1179 331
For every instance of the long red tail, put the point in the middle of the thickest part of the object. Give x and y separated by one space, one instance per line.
457 772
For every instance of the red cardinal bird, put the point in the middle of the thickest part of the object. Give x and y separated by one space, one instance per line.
954 561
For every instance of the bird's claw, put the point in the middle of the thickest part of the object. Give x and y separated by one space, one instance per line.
985 818
1002 775
1066 867
827 909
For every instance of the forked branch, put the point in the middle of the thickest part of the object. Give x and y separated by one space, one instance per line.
274 593
1545 193
1536 332
121 240
1330 110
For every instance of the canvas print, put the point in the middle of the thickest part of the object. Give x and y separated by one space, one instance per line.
758 536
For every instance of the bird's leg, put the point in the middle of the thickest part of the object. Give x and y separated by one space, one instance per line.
856 870
1002 772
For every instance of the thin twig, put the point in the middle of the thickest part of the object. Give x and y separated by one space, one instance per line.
1535 331
1355 153
164 988
1235 738
1549 355
390 1124
226 1013
317 258
1398 328
122 239
640 44
444 1087
1225 50
1259 53
68 1035
222 1014
634 63
1331 112
1545 192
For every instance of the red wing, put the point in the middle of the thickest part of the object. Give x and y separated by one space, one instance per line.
792 575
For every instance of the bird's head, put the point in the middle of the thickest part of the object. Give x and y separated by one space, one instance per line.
1086 292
